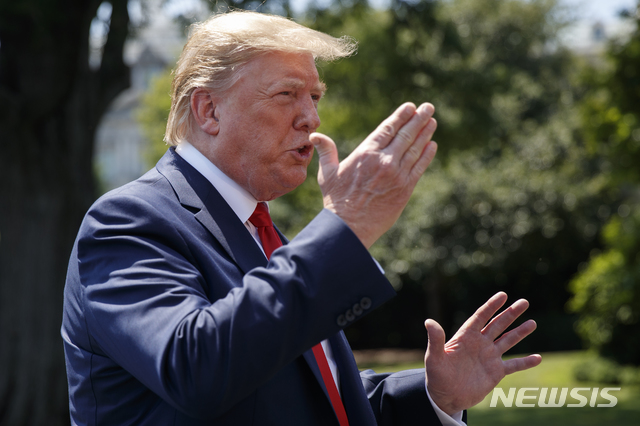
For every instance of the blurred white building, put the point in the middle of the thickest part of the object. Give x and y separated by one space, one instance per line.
590 37
118 156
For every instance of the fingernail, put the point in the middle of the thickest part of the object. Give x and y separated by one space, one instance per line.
408 109
432 147
427 108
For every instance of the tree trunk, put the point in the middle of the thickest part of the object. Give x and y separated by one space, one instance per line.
50 105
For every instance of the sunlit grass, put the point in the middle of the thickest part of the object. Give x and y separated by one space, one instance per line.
556 370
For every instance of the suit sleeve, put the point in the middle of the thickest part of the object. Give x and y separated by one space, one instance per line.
146 306
399 398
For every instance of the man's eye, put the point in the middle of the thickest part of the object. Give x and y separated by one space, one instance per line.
285 93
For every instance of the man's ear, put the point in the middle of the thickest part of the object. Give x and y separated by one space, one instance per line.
203 108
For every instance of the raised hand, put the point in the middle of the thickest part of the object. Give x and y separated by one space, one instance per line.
463 371
370 188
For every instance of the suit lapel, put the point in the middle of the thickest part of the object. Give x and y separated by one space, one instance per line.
196 194
353 395
242 246
311 360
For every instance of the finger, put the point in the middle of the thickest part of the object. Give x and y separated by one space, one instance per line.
484 313
415 151
501 322
327 155
408 134
388 129
513 337
518 364
436 336
428 154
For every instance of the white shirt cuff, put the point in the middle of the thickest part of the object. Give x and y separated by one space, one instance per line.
378 265
445 419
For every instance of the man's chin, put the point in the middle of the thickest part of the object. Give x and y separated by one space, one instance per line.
286 185
295 183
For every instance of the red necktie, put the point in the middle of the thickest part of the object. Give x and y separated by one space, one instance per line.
271 241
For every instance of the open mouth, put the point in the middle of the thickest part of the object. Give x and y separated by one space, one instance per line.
305 149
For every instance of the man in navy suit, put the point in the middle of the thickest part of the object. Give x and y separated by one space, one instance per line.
178 311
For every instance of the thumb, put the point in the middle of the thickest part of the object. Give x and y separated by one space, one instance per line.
435 333
327 155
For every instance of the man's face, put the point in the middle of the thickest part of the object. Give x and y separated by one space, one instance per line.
265 120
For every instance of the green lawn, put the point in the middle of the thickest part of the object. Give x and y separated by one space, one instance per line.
556 370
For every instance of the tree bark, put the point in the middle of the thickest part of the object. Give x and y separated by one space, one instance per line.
50 105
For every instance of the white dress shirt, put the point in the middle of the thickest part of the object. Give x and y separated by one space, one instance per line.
243 204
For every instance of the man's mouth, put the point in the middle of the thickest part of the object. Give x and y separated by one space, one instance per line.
305 149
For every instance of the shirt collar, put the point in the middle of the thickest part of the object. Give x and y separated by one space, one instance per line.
239 199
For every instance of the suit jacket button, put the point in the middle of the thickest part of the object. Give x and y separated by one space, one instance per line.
342 321
357 309
365 303
349 315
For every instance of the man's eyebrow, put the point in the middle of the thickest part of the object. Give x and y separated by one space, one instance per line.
294 83
297 83
320 87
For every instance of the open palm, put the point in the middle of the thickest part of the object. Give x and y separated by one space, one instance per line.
463 371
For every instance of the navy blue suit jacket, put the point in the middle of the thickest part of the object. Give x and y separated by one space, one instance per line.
173 316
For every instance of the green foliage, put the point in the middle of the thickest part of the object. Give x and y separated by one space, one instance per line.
152 116
604 370
486 65
521 222
611 109
607 293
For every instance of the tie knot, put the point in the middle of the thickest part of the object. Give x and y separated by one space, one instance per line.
260 216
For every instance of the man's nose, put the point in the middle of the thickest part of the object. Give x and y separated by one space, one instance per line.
308 118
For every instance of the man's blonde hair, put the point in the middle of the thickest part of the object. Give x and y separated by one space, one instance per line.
219 47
